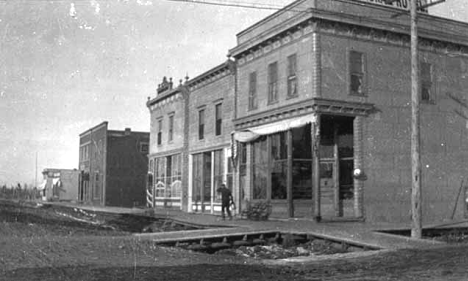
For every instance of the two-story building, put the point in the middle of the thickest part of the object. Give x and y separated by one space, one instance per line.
190 140
113 167
323 91
321 110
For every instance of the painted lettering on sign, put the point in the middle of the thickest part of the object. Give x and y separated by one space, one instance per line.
400 4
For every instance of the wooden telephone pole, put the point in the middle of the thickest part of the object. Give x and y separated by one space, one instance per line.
416 211
416 197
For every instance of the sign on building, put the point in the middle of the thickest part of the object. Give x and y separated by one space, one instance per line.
404 4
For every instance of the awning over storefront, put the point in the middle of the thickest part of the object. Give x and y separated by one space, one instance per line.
253 133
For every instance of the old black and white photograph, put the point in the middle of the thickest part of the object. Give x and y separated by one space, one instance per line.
234 140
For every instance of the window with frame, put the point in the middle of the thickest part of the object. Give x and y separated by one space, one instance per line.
97 186
176 181
201 124
144 147
160 176
278 165
260 168
170 135
218 163
426 82
160 127
253 91
218 119
292 76
356 69
272 82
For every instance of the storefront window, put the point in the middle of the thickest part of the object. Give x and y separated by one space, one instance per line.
176 181
168 176
302 163
260 168
218 172
279 160
160 176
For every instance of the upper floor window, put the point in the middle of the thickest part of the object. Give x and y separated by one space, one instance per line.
171 128
356 69
218 118
144 147
292 76
426 82
201 124
84 153
253 91
273 82
160 127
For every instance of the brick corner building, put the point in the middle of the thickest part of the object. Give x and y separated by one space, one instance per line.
317 100
113 167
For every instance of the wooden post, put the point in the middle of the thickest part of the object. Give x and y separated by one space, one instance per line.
315 130
290 175
336 181
416 211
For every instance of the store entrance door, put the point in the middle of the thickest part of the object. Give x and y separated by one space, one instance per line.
336 166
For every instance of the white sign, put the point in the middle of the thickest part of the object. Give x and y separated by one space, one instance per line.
400 4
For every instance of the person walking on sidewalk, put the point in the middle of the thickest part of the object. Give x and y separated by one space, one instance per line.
226 199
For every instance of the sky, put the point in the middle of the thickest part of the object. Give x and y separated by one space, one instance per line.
66 66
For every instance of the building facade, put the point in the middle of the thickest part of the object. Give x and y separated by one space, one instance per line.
60 185
322 109
113 167
190 141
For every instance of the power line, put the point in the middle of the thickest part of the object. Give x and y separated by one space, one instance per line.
259 6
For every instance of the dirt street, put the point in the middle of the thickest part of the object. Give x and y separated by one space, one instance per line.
46 244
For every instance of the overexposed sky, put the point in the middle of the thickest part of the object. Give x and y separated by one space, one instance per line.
66 66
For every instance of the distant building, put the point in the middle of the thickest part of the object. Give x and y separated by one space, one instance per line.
113 167
317 99
60 185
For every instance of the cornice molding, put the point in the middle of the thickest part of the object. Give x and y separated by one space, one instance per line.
209 77
314 105
165 100
360 32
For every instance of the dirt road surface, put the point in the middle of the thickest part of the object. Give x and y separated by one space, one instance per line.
46 244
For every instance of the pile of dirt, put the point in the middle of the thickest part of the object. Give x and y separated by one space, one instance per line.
27 219
277 251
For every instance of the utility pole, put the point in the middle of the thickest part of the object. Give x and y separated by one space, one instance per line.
416 211
416 197
35 178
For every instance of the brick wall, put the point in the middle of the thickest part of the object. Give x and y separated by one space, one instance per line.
175 107
127 168
206 97
386 133
302 47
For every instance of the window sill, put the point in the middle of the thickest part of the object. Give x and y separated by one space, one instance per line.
273 102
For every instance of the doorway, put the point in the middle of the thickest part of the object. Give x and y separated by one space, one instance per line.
202 182
336 166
